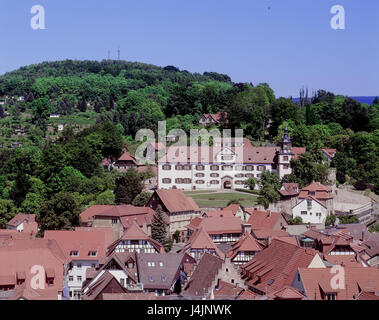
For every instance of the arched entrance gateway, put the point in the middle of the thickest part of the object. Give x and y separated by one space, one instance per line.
227 182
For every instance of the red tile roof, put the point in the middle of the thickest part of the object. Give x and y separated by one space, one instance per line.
175 200
200 240
263 219
329 152
287 293
251 154
222 225
220 213
82 241
263 234
134 232
17 257
225 291
127 213
20 218
275 266
245 243
289 189
316 281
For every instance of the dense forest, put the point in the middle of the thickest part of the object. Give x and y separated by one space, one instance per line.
55 174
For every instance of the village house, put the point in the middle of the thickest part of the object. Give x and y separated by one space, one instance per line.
329 154
219 117
163 273
220 229
244 249
83 249
117 217
23 222
274 267
18 256
106 283
208 274
199 244
223 167
289 193
122 266
315 203
135 239
317 284
178 209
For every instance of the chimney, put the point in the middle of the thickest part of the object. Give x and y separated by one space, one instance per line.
269 240
268 214
246 227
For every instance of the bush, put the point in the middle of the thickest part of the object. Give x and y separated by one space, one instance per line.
330 219
296 221
341 177
360 185
248 191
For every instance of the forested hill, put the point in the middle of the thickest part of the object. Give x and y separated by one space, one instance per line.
138 74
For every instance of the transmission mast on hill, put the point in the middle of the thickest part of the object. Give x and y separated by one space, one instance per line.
118 53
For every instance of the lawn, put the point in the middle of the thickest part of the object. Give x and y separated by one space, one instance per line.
220 200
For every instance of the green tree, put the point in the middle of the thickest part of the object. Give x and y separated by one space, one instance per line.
128 186
7 211
330 220
107 197
61 212
296 221
251 183
159 227
141 199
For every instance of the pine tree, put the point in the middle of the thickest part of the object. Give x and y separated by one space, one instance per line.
158 227
2 114
82 105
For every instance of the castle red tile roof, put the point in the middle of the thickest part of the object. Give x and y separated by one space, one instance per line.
275 266
318 281
367 296
251 154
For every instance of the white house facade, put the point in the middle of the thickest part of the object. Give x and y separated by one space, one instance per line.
310 211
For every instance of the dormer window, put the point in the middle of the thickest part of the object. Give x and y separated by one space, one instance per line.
74 253
92 253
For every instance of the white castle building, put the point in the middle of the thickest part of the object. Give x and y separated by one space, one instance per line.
226 165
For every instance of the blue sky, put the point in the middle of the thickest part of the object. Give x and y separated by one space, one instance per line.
286 43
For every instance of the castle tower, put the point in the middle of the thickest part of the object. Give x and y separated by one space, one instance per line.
285 155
